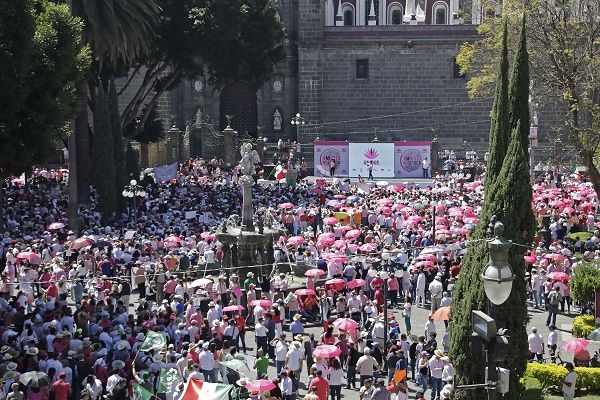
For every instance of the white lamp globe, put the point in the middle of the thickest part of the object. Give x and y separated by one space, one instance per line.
133 182
384 275
372 273
497 283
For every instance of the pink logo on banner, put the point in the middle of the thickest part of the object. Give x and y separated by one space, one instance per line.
411 160
371 154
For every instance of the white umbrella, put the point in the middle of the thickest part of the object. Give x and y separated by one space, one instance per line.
382 183
200 282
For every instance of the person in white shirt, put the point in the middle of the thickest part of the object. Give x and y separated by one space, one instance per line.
366 366
206 361
536 285
260 331
212 314
568 387
421 282
552 342
94 387
435 289
378 332
288 389
281 350
294 357
536 345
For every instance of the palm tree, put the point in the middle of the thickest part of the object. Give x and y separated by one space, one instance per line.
117 31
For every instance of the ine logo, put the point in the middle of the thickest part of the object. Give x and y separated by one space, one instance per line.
326 157
371 154
410 160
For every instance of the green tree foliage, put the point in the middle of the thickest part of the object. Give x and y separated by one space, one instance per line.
153 130
224 40
565 65
41 54
103 156
585 282
500 125
510 199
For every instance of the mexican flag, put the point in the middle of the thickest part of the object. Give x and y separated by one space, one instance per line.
141 393
153 340
168 380
196 389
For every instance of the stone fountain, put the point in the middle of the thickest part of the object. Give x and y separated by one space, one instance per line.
244 244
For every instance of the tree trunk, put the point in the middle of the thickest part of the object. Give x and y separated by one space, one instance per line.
2 224
82 144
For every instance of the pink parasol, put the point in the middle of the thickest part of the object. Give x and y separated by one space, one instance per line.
30 256
462 231
529 259
471 220
201 282
346 324
285 206
207 235
340 244
352 234
555 256
353 247
80 243
295 240
326 351
56 226
367 247
574 345
315 272
330 221
234 308
335 281
558 276
354 283
339 196
326 241
304 292
262 302
396 188
259 385
172 241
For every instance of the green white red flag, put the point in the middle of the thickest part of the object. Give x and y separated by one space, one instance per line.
196 389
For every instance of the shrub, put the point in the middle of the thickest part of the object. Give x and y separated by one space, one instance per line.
583 325
552 376
585 281
532 389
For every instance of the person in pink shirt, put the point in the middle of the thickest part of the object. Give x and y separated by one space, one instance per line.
321 384
169 287
393 287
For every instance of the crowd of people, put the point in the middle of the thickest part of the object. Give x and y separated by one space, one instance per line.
77 312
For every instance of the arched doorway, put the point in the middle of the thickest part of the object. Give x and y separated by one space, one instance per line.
239 100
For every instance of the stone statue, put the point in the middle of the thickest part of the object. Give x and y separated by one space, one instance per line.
277 120
198 119
249 159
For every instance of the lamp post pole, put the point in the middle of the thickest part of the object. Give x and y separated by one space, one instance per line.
433 205
133 191
384 275
297 120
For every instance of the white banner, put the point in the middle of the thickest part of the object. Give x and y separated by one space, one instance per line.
165 173
381 155
411 157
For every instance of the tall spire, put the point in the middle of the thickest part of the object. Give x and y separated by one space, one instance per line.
372 17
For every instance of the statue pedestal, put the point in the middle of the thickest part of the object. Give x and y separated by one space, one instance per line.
243 248
247 211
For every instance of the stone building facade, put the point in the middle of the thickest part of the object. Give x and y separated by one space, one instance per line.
353 69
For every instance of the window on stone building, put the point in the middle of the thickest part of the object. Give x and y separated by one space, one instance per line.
456 70
394 14
348 18
440 13
362 69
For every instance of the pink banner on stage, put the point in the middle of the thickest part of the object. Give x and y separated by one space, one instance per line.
409 157
324 151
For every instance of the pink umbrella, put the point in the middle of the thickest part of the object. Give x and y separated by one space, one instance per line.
427 257
353 247
367 247
555 257
315 272
345 228
558 276
207 235
529 259
385 210
56 226
259 385
471 220
327 235
80 243
339 196
326 241
354 283
330 221
326 351
172 241
462 231
574 345
346 324
286 206
304 292
396 188
335 281
296 240
234 308
262 302
30 256
340 244
352 234
406 209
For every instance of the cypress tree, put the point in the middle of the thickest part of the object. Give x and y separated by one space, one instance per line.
499 124
103 171
509 198
518 93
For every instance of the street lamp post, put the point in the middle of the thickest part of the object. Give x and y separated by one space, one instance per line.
384 275
133 191
297 120
498 279
433 205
